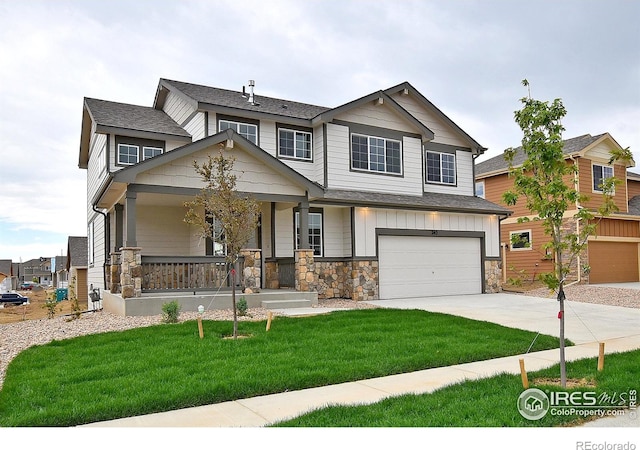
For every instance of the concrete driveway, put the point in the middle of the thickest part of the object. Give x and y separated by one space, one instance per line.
584 322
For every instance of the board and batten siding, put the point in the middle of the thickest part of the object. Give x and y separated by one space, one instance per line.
178 108
368 219
340 175
253 176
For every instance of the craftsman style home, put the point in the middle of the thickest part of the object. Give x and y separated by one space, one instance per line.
612 254
371 199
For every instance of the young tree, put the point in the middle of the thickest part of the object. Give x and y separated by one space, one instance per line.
222 214
545 182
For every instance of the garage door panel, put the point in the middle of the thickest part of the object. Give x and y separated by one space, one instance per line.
613 262
419 266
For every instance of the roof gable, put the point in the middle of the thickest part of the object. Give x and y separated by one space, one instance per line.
229 137
576 147
77 252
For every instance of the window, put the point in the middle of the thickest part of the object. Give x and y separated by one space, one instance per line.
246 130
127 154
150 152
441 168
375 154
215 246
520 240
480 189
294 144
315 232
600 173
90 243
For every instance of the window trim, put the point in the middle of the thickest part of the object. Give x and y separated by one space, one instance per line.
124 144
368 170
521 232
151 147
484 192
455 168
593 178
240 121
91 244
295 130
296 236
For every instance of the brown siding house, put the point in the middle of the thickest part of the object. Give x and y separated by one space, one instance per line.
612 254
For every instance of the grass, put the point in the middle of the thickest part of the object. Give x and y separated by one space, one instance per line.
165 367
489 402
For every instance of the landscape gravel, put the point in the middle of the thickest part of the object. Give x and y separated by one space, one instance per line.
16 337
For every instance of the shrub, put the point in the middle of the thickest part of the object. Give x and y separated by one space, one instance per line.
50 304
241 307
170 312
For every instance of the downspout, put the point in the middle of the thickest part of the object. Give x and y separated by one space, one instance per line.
106 245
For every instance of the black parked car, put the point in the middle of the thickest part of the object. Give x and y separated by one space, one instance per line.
14 299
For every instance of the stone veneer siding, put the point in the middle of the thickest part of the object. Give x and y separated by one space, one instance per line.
131 272
252 272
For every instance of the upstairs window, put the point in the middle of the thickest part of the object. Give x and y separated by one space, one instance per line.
248 131
294 144
600 174
150 152
480 189
441 168
520 240
127 154
375 154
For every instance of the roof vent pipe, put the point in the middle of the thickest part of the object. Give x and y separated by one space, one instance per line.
252 84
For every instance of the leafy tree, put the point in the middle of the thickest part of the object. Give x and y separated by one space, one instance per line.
222 214
545 182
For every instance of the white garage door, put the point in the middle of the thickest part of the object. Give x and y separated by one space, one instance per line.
420 266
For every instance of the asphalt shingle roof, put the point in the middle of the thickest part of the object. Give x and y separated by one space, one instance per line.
77 251
234 99
428 201
498 163
133 117
634 205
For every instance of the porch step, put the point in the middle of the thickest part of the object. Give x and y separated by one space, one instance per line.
282 304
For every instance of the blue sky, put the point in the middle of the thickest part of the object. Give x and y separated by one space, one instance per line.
467 57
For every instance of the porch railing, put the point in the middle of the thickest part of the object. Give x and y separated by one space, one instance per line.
170 273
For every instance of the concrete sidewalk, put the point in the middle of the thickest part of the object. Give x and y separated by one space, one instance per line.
586 325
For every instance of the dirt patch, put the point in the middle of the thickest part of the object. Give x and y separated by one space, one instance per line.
571 382
35 309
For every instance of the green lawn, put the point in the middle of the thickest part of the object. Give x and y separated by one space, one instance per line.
166 367
489 402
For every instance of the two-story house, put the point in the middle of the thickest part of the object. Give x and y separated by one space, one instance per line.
371 199
612 254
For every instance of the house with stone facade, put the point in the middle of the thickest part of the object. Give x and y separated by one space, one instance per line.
372 199
612 254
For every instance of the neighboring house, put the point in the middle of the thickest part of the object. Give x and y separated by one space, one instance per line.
60 274
371 199
38 270
611 255
6 276
76 268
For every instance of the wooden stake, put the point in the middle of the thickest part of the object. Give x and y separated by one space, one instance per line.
523 374
269 317
200 327
601 357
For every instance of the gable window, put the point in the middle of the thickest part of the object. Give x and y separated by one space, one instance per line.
376 154
441 168
150 152
520 240
600 174
248 131
315 232
480 189
294 144
127 154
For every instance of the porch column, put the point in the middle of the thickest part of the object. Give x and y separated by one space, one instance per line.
304 224
306 280
119 225
130 209
131 272
252 272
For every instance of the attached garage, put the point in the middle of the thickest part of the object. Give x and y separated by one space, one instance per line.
427 266
613 262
